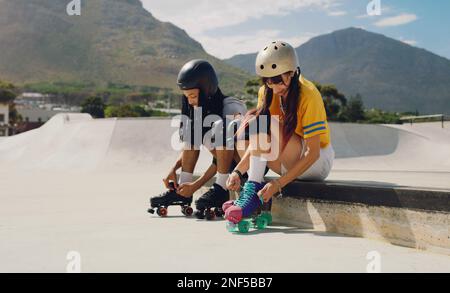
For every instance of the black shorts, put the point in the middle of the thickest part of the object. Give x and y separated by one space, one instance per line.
255 126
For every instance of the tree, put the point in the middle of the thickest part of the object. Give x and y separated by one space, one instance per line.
7 86
8 93
252 87
121 111
251 92
353 111
6 96
377 116
14 116
334 100
93 106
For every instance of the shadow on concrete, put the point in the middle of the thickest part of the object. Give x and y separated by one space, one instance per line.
281 228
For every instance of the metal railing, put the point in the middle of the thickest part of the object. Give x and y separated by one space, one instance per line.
441 117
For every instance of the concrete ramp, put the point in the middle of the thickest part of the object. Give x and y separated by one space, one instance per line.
141 144
78 142
391 147
65 142
359 140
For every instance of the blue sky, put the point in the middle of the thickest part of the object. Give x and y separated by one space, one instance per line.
229 27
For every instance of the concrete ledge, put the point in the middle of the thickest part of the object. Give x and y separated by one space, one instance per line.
373 194
411 217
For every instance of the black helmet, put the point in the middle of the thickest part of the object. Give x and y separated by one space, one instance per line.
198 74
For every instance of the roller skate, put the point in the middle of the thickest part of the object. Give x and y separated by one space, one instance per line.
170 198
229 203
209 205
249 211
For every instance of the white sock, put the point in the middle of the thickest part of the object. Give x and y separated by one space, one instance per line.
221 180
185 177
257 168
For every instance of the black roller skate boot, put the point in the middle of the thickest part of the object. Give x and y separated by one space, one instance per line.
170 198
209 205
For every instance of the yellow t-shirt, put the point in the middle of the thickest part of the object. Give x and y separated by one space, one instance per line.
311 114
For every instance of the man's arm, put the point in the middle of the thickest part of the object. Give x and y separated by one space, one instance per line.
172 176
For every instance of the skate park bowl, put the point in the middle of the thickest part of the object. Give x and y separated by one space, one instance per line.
388 182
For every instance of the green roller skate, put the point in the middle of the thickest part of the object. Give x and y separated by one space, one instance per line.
259 220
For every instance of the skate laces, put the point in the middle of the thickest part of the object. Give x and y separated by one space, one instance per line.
209 194
246 196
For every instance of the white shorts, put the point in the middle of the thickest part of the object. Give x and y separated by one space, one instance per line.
321 168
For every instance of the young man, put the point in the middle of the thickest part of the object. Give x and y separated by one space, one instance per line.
204 105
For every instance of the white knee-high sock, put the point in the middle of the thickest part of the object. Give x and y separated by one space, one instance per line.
185 177
221 180
257 168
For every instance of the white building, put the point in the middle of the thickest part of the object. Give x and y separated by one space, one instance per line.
4 119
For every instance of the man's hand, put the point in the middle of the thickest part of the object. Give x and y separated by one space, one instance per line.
172 177
186 189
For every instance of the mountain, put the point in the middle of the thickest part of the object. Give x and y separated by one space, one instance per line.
112 41
389 74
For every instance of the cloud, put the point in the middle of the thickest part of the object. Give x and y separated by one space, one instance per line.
337 13
198 16
228 46
363 16
396 20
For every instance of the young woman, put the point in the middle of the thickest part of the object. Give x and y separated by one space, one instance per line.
202 100
300 138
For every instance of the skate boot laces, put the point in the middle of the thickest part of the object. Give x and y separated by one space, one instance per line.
247 195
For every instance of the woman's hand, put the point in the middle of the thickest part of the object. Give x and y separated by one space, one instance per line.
186 189
269 190
233 182
171 177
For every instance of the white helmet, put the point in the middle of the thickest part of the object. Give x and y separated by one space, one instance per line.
276 59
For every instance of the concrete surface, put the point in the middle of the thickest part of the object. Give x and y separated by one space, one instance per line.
44 216
78 184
